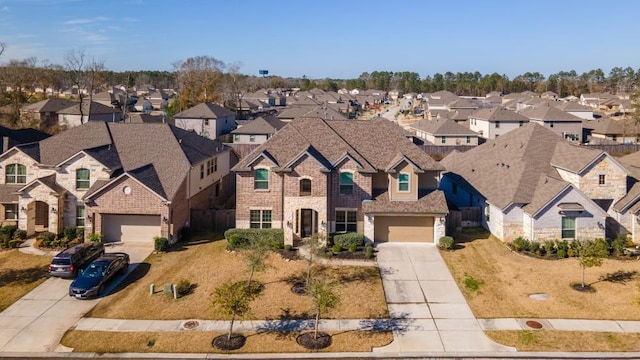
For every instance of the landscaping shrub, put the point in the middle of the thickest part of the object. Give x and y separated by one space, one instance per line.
69 232
521 244
562 245
20 235
368 251
273 237
345 240
549 247
446 243
288 247
574 248
183 287
14 243
336 248
160 243
534 247
9 230
353 248
235 242
47 237
562 253
95 237
619 244
4 240
79 234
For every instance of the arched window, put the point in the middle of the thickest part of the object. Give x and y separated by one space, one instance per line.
305 187
16 174
82 178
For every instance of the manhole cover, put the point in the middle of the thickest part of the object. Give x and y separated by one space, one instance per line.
190 324
540 296
534 324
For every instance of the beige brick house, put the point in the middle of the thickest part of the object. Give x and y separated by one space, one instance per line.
332 176
531 182
129 182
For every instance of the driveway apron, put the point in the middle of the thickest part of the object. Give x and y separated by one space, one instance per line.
427 309
37 321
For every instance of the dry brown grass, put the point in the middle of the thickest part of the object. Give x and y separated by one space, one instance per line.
200 342
206 264
19 274
571 341
509 278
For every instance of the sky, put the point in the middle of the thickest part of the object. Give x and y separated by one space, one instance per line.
330 38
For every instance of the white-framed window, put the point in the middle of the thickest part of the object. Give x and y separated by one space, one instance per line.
208 167
346 183
11 211
261 179
443 139
602 179
346 221
202 171
497 124
236 137
404 182
80 215
16 174
260 219
568 227
252 138
82 178
206 122
468 139
214 165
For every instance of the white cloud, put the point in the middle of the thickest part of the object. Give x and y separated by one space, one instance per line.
86 21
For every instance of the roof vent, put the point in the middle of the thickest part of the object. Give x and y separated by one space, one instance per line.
179 141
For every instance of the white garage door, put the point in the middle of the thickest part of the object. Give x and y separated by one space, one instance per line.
130 228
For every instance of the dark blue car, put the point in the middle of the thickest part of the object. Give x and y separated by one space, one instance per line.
93 278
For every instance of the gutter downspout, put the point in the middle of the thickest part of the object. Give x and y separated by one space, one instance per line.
282 201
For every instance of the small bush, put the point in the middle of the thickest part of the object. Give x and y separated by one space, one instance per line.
534 247
47 236
336 248
95 237
79 233
288 247
14 243
562 245
346 239
8 230
562 253
19 235
446 243
4 240
368 251
160 243
75 241
521 244
184 287
69 232
273 237
353 248
619 244
549 247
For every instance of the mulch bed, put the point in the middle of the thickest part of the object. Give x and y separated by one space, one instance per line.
348 255
223 342
309 341
299 288
586 289
289 254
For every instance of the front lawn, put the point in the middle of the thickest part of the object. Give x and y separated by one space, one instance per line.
568 341
497 283
19 274
204 262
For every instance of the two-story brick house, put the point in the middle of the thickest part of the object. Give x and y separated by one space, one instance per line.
332 176
207 119
531 182
129 182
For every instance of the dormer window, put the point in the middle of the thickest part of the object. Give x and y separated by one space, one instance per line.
403 182
261 179
305 187
82 178
16 174
346 183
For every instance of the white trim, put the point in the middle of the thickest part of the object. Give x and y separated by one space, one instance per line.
120 177
408 183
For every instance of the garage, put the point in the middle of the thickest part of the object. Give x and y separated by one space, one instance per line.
130 228
403 228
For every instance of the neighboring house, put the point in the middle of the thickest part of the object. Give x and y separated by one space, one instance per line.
14 137
257 131
129 182
628 208
532 183
91 111
574 108
207 119
46 111
490 123
144 118
317 176
444 132
564 124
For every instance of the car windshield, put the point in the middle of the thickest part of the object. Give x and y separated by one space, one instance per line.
93 271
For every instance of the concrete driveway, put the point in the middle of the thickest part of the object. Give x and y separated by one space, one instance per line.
37 321
428 311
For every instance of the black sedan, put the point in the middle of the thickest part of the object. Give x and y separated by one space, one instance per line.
93 278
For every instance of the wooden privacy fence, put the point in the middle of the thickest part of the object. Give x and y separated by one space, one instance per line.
615 149
442 151
463 217
213 220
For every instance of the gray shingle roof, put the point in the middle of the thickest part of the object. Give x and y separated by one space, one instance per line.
433 202
442 127
96 108
518 167
261 125
497 114
204 111
49 105
549 113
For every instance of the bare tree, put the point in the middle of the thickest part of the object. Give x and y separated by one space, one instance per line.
200 79
2 47
19 76
85 73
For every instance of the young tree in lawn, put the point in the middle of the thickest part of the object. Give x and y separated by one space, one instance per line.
315 243
324 298
592 253
232 299
255 254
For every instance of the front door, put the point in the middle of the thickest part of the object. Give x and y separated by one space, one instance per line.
306 222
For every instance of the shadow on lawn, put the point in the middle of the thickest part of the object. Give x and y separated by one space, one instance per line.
22 276
618 277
